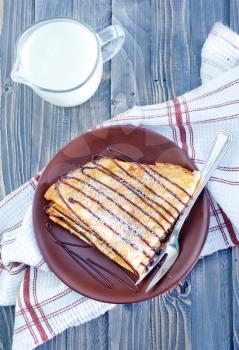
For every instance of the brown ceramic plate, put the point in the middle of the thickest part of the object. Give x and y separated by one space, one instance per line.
148 147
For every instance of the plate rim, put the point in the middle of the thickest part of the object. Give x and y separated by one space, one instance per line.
34 216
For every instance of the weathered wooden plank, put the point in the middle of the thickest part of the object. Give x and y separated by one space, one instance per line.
170 62
203 15
81 118
50 124
2 192
171 318
173 328
130 84
97 14
234 25
51 127
94 334
211 278
90 336
129 327
16 101
58 342
131 76
235 297
15 115
6 327
145 76
211 303
170 48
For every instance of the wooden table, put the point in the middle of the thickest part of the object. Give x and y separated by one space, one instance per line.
160 59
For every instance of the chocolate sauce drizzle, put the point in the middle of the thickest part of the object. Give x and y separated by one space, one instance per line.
94 269
92 230
121 155
80 225
138 193
110 211
74 201
150 189
128 200
74 228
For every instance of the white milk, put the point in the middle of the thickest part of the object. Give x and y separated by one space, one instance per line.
61 59
59 55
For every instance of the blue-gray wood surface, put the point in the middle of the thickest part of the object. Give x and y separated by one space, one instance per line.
160 58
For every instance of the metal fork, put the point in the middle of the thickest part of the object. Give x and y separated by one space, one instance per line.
170 250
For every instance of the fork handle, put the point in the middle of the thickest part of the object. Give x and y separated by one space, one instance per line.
218 150
220 146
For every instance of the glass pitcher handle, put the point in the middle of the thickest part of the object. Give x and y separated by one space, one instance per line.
111 40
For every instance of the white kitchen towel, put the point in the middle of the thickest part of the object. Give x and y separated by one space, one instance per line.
44 305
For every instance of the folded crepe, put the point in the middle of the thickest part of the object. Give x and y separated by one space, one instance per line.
124 209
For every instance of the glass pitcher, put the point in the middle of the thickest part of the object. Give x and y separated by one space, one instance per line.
62 59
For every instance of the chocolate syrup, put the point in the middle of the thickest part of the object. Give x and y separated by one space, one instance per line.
93 272
111 213
139 194
126 198
94 268
133 288
74 201
147 200
71 226
150 189
121 155
57 185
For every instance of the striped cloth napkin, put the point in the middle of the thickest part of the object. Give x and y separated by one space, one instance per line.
44 305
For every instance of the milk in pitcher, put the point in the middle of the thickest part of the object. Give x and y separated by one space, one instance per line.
61 60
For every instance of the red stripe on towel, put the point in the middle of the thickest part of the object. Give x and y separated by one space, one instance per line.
26 295
179 120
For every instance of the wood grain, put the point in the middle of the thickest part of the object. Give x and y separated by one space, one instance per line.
210 293
15 119
16 101
235 298
51 125
6 327
234 24
92 335
130 84
57 125
211 279
170 314
146 51
93 112
203 16
160 59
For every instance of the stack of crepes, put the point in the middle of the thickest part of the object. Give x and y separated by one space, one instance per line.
124 209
